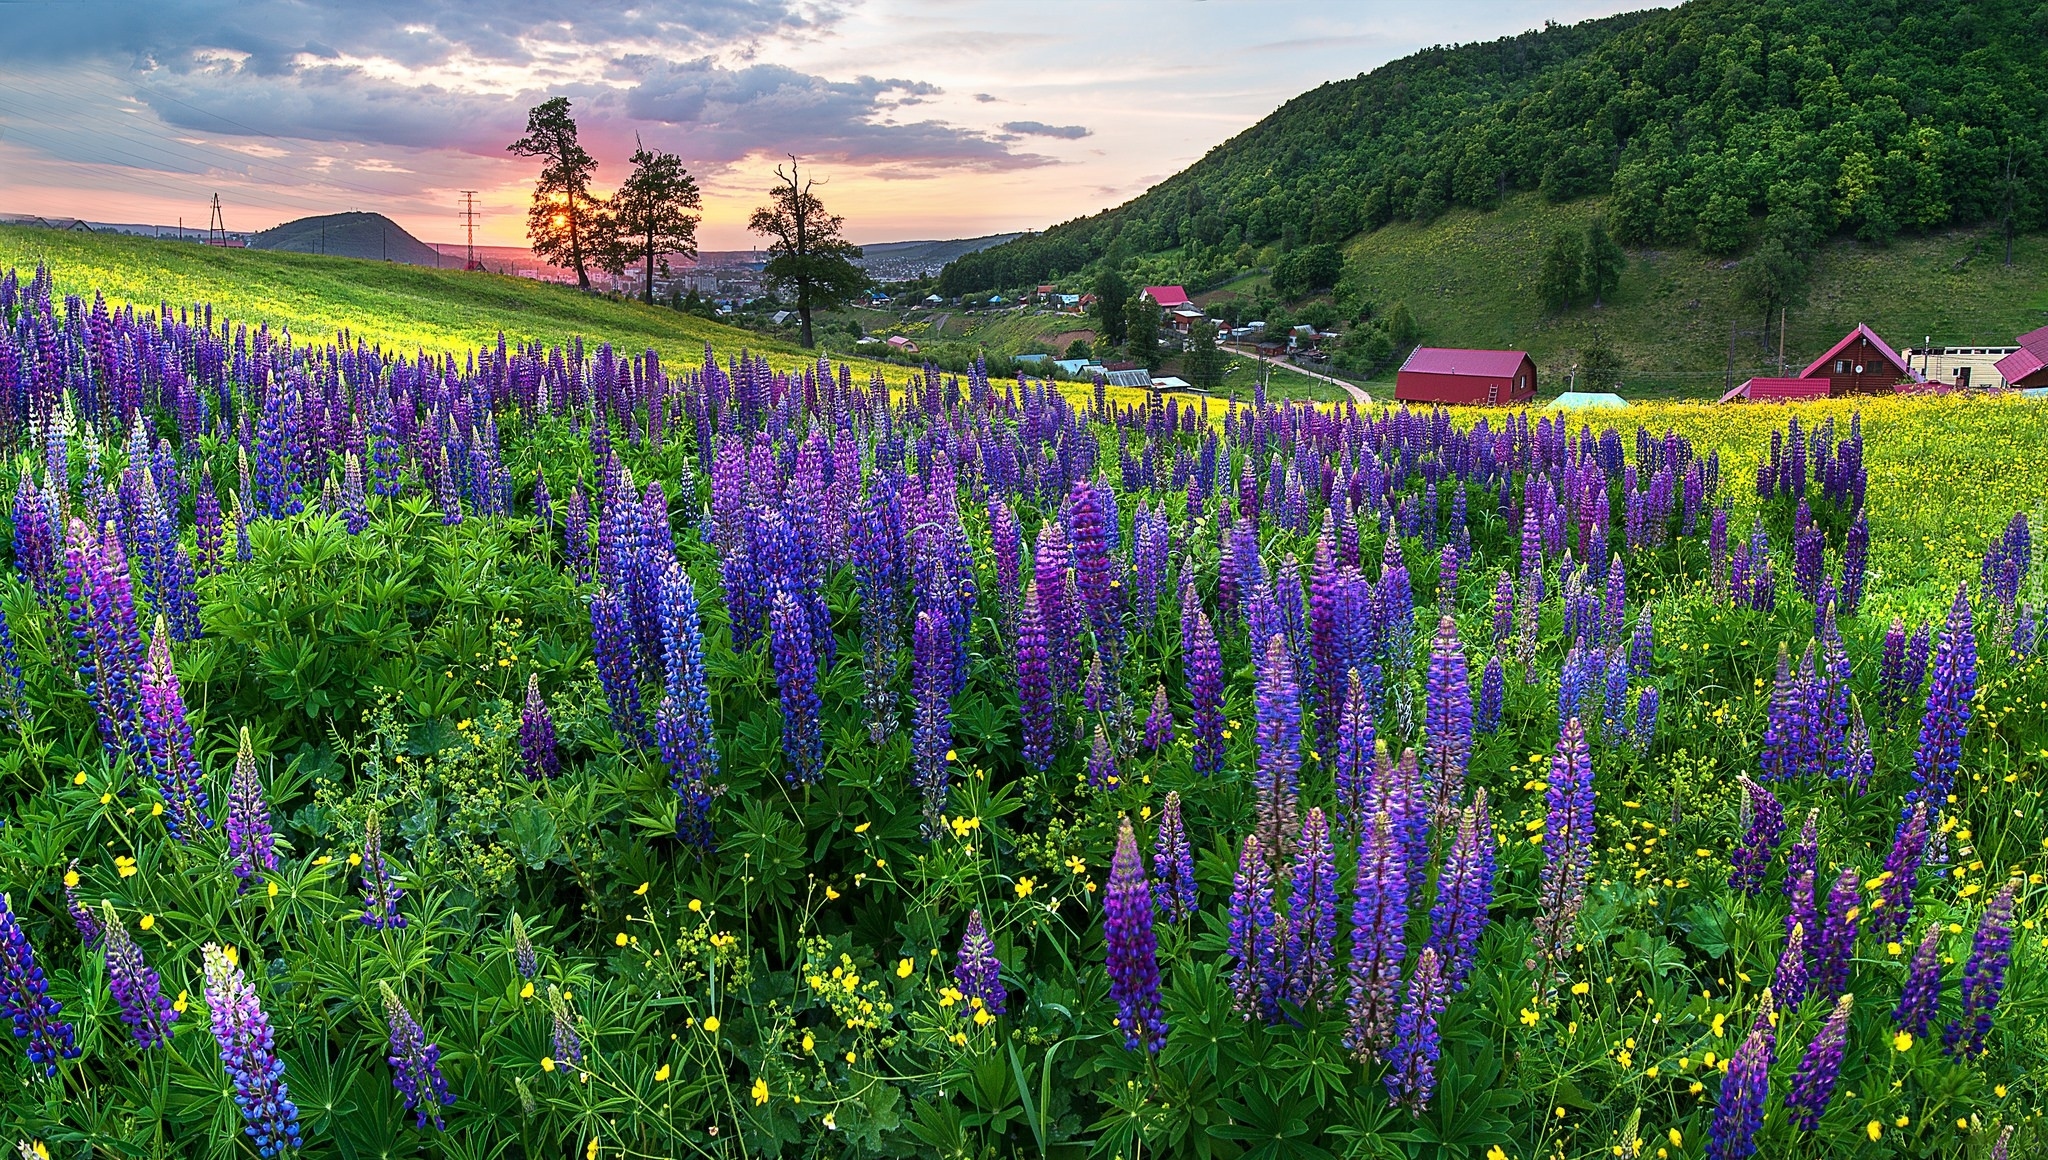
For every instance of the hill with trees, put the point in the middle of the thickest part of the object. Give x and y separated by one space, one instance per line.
1727 126
350 235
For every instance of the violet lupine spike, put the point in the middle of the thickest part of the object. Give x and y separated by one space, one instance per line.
1902 873
1765 825
1203 666
170 740
1255 973
1133 948
249 1054
611 645
1400 792
1644 728
1038 708
1834 946
1447 721
415 1064
686 733
568 1044
1309 948
1568 836
1503 608
1859 752
1379 920
796 683
88 926
1173 859
1493 689
1950 701
137 990
1277 779
538 750
1740 1110
1792 980
1159 721
25 998
1785 729
524 958
1920 999
977 973
252 846
1464 893
381 891
1411 1064
1102 772
1983 977
1353 772
1891 672
931 746
1813 1086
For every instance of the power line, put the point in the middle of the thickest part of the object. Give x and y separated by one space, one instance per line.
469 261
217 226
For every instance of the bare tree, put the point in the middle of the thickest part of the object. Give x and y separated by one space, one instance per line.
806 251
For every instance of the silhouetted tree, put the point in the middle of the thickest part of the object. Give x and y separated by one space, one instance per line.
563 216
651 216
806 251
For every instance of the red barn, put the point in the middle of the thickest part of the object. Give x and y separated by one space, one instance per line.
1860 364
1467 378
1165 297
1778 390
2027 366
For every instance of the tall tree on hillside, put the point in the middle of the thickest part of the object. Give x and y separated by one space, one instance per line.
1605 262
1111 295
1203 363
806 251
1563 275
651 216
563 217
1771 279
1141 332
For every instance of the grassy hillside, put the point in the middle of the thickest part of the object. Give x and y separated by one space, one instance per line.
395 305
1470 278
349 235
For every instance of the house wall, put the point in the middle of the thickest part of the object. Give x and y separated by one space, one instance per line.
1466 390
1878 375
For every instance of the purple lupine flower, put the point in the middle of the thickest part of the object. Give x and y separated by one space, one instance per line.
1173 859
1614 704
611 644
1917 651
1503 608
1740 1110
1493 689
1983 977
251 844
1411 1065
1038 710
415 1064
796 683
88 926
247 1051
1102 773
1052 564
1891 671
978 973
1133 958
931 745
1095 537
1255 973
576 533
1834 946
524 958
1859 753
1379 920
1309 946
1855 562
1159 721
1464 893
1814 1084
1949 706
137 990
1642 646
1095 694
1792 980
1567 842
1920 999
568 1044
1447 579
1203 665
1802 861
170 740
1278 775
25 997
1785 730
685 731
1354 760
1902 873
1447 721
380 889
1398 788
1644 728
1763 826
1006 541
537 746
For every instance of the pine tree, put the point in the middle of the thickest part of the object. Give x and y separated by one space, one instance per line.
562 221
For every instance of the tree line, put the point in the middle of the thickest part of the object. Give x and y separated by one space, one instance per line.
654 214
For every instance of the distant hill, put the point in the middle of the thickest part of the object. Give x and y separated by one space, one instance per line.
1712 124
350 235
891 260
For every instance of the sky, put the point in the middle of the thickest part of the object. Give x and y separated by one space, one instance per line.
923 118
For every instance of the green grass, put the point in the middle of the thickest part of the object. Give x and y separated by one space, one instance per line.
399 307
1470 280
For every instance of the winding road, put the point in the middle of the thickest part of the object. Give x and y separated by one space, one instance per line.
1356 392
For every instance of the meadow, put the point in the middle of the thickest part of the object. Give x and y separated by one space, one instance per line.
422 742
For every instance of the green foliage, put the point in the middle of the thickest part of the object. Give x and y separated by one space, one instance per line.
1203 363
653 214
1563 278
1605 262
1308 270
1112 296
562 223
808 253
1141 332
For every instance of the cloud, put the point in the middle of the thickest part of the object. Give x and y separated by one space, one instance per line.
1041 129
984 98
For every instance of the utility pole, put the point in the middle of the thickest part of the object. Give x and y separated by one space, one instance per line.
1781 341
216 226
469 261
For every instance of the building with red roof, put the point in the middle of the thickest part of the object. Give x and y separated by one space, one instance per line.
1165 297
2027 366
1860 364
1466 378
1768 390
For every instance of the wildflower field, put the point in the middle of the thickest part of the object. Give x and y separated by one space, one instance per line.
542 751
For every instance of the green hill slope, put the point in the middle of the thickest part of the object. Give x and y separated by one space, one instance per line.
401 307
1870 119
1470 277
371 236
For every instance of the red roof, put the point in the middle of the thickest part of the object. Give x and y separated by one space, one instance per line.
2029 359
1443 360
1166 295
1861 331
1778 390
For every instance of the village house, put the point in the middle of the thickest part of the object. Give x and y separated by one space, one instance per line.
1860 364
1469 378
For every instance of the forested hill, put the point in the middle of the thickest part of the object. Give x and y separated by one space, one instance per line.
1820 116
